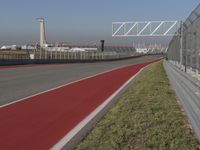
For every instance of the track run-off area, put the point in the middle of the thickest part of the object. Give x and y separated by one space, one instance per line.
41 104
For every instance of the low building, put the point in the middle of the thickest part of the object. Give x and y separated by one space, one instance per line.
10 47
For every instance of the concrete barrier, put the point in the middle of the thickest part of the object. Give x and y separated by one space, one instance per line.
9 62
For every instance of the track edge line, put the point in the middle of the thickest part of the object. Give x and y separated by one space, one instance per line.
68 141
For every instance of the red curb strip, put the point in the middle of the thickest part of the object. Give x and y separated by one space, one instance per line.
39 122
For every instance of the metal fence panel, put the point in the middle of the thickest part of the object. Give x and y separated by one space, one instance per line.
191 43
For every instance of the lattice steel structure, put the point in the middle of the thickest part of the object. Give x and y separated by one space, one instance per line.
148 29
145 28
190 56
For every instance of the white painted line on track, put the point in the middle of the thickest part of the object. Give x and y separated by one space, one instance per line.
85 121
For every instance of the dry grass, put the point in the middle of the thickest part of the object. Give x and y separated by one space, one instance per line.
147 116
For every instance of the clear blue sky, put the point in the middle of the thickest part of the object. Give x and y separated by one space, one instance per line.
82 21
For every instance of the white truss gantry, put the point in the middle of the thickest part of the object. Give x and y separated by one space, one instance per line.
146 28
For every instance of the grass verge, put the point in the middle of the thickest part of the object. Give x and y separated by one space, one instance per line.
147 116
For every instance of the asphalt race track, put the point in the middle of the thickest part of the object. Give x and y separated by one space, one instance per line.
20 82
41 121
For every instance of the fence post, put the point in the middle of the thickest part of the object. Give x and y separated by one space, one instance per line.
181 44
40 53
56 53
198 62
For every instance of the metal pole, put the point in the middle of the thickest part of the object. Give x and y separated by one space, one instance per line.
196 51
40 52
34 53
185 54
56 53
198 61
181 44
190 50
60 54
45 53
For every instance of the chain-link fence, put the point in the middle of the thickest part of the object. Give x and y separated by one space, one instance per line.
187 57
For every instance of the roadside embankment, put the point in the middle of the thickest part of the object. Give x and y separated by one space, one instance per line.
147 116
